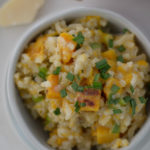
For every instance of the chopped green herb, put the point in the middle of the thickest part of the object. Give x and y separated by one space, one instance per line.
115 89
63 93
95 45
143 100
102 65
121 48
96 77
80 89
70 76
127 99
131 88
104 75
47 120
88 86
125 30
57 111
133 105
122 102
117 111
57 70
120 58
37 99
78 77
79 38
111 100
116 129
97 85
83 104
110 43
76 87
77 107
43 73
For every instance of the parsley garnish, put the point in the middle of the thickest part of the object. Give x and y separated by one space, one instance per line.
43 73
143 100
37 99
116 129
70 76
79 39
110 43
127 99
63 93
121 48
120 58
102 65
57 111
95 45
117 111
57 70
122 102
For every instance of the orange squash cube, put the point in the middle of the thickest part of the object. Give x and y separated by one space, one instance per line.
104 135
66 46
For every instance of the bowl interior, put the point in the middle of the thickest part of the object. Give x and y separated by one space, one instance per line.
31 130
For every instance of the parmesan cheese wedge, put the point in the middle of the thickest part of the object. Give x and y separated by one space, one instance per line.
18 12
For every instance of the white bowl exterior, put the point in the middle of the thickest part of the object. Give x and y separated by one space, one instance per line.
19 118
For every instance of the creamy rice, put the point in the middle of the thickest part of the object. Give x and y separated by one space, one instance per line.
86 84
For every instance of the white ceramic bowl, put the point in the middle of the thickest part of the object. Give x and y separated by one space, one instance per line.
22 121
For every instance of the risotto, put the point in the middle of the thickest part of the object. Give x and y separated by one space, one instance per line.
85 83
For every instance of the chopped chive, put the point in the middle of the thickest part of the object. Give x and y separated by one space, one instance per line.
83 104
121 48
96 77
115 89
125 30
110 43
111 100
77 107
74 86
120 58
70 76
102 65
79 39
127 99
104 75
117 111
63 93
131 89
37 99
97 85
143 100
95 45
133 105
57 111
122 102
78 77
80 89
43 73
116 129
57 71
47 120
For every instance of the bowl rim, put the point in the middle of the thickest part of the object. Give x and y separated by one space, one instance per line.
33 143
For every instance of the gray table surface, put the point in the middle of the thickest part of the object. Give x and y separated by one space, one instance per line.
137 11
